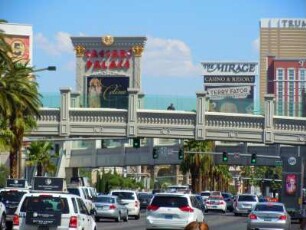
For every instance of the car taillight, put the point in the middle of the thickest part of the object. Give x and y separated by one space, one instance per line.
136 203
186 209
16 220
73 223
283 217
152 208
112 207
252 216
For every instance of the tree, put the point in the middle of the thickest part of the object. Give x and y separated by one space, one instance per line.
196 163
39 155
4 172
19 102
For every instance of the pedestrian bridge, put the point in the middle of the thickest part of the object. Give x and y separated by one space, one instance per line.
67 122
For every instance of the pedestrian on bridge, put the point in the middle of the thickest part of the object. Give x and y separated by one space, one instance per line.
194 225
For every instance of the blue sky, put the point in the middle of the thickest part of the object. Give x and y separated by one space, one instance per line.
181 34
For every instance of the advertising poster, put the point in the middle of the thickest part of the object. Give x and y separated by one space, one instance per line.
107 92
231 99
20 46
291 184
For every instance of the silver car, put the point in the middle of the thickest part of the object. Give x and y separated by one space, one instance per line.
244 203
110 207
269 215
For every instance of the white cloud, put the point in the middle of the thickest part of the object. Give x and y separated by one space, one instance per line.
168 58
61 44
255 45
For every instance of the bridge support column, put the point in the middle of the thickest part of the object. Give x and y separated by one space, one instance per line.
132 113
200 131
269 113
64 129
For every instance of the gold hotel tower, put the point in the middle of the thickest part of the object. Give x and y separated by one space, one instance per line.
282 38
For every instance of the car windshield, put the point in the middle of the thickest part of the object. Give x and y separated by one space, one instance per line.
45 204
226 195
170 201
269 208
246 198
104 199
11 196
145 196
124 195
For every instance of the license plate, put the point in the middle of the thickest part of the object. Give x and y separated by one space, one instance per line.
43 228
213 206
267 219
105 207
168 216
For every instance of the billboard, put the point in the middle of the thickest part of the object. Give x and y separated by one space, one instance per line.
20 46
230 86
107 92
291 187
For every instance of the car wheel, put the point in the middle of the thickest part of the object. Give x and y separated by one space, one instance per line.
137 217
126 219
118 219
3 223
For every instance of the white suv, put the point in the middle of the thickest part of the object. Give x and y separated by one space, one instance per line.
129 197
83 192
173 211
50 210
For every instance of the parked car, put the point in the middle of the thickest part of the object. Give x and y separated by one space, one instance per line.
173 211
268 215
110 207
144 199
2 216
229 199
245 203
215 203
129 197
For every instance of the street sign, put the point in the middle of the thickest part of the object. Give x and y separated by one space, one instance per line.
278 163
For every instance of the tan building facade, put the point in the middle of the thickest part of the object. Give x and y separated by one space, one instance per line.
282 38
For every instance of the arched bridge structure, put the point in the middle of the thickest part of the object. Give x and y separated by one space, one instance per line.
68 122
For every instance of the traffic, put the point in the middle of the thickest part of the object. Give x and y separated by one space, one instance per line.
49 204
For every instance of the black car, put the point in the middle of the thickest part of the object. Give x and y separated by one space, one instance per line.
144 199
229 199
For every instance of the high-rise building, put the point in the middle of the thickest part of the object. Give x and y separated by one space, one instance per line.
282 38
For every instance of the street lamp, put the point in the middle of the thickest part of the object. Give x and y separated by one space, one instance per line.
49 68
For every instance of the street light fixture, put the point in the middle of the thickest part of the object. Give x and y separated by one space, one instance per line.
49 68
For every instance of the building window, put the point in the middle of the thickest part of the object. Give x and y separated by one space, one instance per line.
302 89
280 96
291 92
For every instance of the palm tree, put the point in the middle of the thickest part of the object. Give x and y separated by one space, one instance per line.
19 103
39 156
195 162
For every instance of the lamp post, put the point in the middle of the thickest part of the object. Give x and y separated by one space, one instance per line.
49 68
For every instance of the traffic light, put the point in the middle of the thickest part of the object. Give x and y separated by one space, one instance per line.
136 142
253 158
224 157
181 154
155 153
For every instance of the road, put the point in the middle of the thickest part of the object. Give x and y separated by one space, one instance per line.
216 221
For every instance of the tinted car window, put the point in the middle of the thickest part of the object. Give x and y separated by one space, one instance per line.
246 198
105 199
124 195
74 191
226 195
11 196
272 208
44 203
169 201
205 194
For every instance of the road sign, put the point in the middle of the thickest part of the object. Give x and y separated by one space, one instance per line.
279 163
